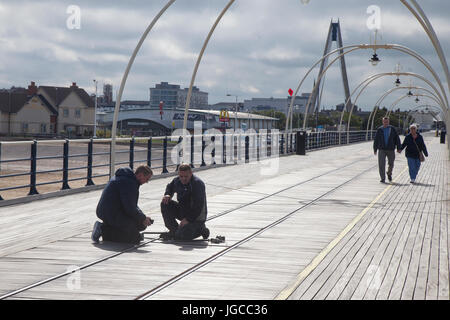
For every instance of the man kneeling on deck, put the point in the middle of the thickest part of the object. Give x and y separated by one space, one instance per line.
191 208
122 218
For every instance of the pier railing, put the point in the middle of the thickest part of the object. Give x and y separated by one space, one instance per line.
39 163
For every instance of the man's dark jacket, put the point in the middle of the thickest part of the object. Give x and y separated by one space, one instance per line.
118 203
394 140
412 149
191 198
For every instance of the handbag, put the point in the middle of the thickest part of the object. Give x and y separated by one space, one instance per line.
421 156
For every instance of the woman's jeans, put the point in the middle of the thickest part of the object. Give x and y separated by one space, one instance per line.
414 166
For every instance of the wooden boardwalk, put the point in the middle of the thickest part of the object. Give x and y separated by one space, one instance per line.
322 227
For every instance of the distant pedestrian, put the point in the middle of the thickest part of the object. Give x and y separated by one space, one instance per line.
122 218
386 139
415 151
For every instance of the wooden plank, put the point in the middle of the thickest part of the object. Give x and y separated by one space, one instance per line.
263 266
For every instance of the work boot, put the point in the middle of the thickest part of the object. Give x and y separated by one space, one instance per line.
97 231
167 235
205 233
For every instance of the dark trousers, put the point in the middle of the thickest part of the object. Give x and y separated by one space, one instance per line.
128 232
382 155
171 213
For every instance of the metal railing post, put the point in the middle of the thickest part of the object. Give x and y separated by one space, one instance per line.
224 148
132 153
258 137
165 156
203 150
89 163
290 144
149 152
66 166
33 189
192 151
213 152
247 143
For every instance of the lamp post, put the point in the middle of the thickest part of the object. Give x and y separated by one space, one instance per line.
95 111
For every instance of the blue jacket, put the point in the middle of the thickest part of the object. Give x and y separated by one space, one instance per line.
393 141
191 198
412 151
118 203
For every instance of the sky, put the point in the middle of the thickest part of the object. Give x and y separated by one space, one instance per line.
260 48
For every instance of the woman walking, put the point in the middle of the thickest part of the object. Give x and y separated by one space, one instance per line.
415 151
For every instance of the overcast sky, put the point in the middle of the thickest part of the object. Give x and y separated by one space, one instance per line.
261 48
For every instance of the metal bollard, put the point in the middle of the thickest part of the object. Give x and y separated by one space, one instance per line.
89 164
66 166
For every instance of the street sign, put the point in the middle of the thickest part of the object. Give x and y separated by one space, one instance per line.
161 104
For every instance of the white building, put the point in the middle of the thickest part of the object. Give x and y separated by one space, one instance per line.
146 120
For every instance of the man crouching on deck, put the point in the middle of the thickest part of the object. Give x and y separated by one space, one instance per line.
122 218
190 209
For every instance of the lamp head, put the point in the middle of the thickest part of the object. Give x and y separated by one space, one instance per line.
374 60
397 82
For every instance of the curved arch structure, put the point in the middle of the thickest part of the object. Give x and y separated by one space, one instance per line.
419 14
124 80
416 109
375 77
194 73
380 100
364 46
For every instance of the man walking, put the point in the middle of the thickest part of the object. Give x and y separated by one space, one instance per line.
190 209
386 139
122 218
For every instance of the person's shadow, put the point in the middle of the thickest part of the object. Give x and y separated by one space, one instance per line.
113 246
422 184
399 184
190 245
